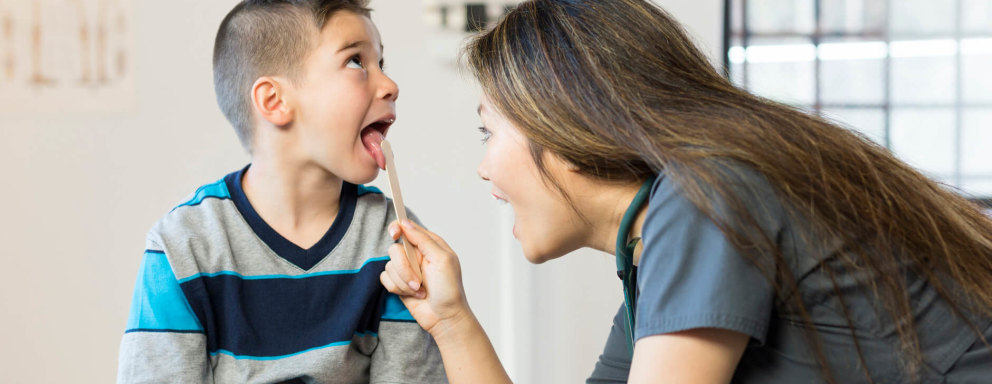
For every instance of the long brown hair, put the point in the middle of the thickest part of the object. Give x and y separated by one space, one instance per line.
618 89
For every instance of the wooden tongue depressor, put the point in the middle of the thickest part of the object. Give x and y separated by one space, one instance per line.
394 188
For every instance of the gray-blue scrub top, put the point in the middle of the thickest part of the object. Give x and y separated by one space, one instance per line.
690 276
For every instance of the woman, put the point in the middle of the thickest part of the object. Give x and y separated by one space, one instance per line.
756 243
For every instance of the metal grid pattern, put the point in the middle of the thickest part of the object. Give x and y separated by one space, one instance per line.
912 75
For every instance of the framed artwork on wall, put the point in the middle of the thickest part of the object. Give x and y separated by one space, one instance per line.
66 56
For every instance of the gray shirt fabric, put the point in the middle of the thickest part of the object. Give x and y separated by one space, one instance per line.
690 276
223 298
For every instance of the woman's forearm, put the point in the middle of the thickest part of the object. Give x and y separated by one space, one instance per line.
469 356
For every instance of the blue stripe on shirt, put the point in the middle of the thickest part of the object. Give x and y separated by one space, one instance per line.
301 276
362 190
263 358
216 190
158 303
395 310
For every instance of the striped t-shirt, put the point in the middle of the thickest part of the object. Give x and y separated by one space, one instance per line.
221 297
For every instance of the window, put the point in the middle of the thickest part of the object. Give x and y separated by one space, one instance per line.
913 75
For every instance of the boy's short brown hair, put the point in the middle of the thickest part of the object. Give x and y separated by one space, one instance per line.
262 38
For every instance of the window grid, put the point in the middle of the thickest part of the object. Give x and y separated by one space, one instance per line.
738 33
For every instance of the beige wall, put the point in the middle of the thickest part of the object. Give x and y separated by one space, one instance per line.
80 189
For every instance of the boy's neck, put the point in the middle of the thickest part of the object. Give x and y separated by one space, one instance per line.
298 202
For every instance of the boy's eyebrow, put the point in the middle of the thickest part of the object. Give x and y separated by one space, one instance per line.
479 110
354 44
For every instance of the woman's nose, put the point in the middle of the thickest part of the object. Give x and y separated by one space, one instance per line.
482 172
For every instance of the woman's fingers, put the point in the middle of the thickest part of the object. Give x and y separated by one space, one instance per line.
440 295
392 287
387 282
430 245
437 239
432 235
394 230
395 233
399 271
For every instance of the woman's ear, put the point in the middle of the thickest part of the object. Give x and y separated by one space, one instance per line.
269 98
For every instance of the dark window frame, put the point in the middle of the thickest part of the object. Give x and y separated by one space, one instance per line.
745 34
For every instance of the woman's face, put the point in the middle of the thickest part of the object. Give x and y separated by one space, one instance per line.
544 223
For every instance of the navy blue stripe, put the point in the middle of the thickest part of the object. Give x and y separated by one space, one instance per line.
280 317
162 330
303 258
154 251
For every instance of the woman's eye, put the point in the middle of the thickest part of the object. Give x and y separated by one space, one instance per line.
355 62
485 134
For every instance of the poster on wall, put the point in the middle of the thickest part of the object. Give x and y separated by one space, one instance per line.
66 56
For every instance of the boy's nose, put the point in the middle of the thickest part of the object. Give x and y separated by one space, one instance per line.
388 89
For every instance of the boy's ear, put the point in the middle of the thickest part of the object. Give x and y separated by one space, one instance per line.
269 98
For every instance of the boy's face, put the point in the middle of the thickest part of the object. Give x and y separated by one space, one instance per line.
343 93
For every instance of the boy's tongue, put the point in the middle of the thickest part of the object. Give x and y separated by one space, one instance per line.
372 139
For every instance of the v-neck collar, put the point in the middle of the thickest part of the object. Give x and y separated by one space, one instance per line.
302 258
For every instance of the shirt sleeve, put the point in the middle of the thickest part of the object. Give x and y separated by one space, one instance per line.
613 365
691 276
406 353
164 341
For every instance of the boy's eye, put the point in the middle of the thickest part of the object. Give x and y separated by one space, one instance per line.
355 62
485 134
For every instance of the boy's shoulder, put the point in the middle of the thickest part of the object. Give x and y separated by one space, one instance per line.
203 209
205 195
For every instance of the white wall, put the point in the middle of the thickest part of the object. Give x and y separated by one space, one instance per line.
81 189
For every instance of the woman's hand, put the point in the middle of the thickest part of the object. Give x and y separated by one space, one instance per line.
437 303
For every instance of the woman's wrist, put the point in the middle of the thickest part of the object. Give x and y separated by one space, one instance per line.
468 354
455 328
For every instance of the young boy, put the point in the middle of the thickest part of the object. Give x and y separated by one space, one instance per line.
272 273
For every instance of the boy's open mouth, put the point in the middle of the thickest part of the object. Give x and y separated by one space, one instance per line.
372 137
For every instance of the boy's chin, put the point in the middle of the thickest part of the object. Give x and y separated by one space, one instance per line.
364 177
